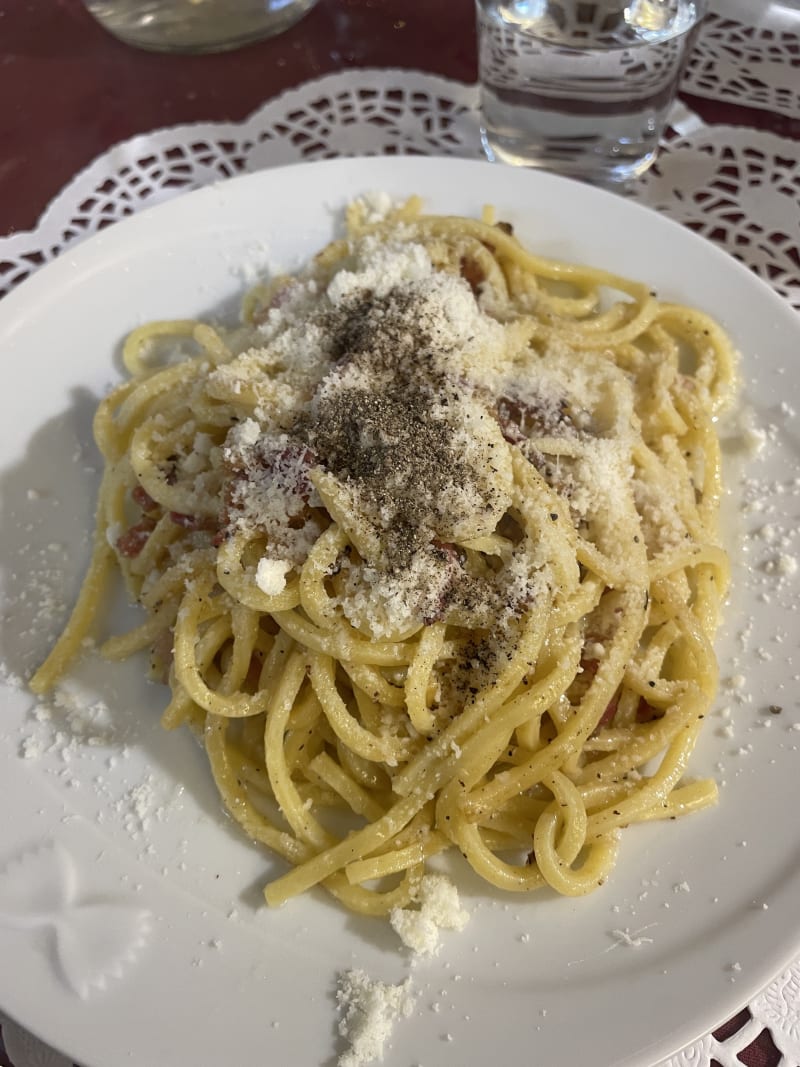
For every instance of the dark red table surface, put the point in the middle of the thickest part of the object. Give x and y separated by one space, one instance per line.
68 91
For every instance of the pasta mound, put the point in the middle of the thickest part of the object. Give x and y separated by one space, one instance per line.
428 552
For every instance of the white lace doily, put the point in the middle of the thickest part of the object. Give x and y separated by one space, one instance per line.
736 186
739 187
748 53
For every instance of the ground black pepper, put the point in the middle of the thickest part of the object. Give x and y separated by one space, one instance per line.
380 435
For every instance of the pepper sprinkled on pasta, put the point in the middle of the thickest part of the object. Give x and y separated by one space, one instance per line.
428 550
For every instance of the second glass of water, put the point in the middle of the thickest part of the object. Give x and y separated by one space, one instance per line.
196 25
581 88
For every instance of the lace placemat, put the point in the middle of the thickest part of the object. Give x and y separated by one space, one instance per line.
748 53
739 187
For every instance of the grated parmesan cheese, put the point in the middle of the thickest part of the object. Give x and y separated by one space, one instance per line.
630 939
381 269
369 1011
357 388
439 909
271 575
374 205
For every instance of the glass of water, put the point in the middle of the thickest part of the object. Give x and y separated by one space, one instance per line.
581 87
196 25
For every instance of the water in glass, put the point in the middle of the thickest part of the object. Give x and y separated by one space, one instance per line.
582 88
196 25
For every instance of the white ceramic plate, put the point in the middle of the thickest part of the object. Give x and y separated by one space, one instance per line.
131 928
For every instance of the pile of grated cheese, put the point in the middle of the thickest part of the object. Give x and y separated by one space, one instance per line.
369 1010
378 394
439 909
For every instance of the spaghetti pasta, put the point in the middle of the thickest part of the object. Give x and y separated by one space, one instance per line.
428 553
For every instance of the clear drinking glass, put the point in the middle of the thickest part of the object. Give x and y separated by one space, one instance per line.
579 87
196 25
